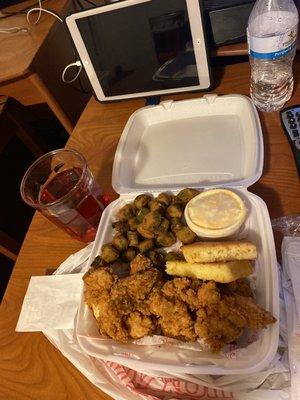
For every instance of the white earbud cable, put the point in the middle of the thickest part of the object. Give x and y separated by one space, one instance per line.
40 9
74 64
13 29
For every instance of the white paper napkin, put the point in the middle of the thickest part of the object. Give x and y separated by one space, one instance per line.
51 302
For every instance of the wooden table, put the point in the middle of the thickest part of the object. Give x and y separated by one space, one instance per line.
30 367
29 68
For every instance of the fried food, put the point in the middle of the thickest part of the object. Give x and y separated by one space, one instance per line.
222 319
163 227
100 279
145 232
140 264
186 235
146 245
139 325
223 272
174 318
129 254
155 205
125 213
182 308
109 253
157 258
130 301
173 256
219 325
255 316
176 224
185 195
240 286
120 268
133 223
165 239
120 242
185 289
99 262
142 201
164 198
141 214
146 224
204 252
120 226
152 221
120 305
133 240
174 211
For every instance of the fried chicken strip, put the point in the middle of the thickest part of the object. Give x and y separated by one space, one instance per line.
119 305
222 319
174 317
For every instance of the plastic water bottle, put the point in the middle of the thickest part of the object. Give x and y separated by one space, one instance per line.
272 33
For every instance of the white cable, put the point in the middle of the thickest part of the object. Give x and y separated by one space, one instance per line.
39 16
41 10
74 64
13 29
40 13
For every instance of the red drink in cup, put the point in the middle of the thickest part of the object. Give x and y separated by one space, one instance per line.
61 186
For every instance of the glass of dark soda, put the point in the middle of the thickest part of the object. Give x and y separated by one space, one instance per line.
61 186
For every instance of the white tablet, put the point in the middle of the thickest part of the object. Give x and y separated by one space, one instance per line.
139 48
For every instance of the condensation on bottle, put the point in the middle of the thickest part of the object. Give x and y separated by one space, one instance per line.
272 35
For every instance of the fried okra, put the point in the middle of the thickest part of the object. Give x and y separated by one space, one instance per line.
109 253
133 239
129 254
174 211
145 232
141 214
163 227
141 201
177 200
176 224
165 239
146 245
152 221
120 226
155 205
174 256
133 223
125 213
186 235
146 225
164 198
98 262
185 195
120 242
157 258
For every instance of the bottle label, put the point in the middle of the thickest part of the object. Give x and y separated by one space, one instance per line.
270 48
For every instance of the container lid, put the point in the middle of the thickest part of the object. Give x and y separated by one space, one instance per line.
203 142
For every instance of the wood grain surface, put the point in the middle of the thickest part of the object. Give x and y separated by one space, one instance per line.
30 367
18 50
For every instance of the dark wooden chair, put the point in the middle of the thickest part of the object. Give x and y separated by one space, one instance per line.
14 120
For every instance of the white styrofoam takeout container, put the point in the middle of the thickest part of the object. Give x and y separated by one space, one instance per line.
213 141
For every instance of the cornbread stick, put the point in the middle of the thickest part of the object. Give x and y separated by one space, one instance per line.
205 252
223 272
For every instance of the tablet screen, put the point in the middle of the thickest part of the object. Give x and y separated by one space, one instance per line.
141 48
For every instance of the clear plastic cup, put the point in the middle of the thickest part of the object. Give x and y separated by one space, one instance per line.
61 186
